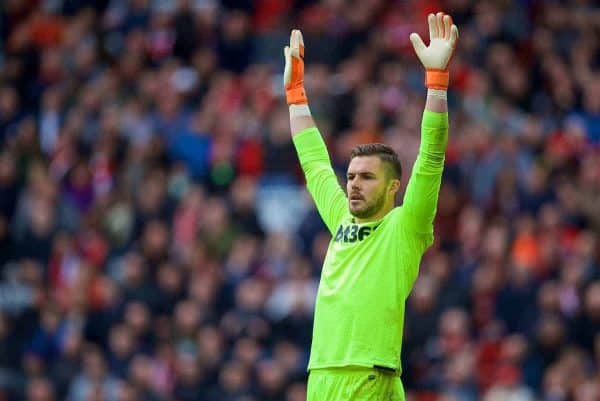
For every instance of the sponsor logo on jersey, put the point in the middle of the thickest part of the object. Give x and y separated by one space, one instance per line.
353 232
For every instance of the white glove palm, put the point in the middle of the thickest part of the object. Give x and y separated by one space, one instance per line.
443 35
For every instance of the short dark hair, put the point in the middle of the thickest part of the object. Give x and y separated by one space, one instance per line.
386 154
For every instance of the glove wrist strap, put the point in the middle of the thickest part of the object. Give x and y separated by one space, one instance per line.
437 79
296 95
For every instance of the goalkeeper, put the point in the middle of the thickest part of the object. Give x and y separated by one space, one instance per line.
375 251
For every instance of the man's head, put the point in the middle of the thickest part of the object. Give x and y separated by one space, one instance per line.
373 178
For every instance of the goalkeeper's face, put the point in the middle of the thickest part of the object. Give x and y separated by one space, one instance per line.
368 187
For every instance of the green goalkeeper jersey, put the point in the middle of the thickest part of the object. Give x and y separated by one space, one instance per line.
370 268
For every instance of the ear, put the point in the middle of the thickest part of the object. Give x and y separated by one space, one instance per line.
394 185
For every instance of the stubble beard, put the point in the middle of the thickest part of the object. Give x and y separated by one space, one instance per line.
369 209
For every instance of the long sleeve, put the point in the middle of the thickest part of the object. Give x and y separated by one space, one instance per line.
421 197
321 180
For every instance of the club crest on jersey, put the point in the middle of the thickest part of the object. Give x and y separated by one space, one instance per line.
353 232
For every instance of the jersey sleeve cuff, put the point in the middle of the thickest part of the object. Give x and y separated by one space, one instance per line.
432 119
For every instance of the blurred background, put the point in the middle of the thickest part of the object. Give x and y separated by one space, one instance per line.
156 240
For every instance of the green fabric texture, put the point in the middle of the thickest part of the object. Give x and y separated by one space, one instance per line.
356 384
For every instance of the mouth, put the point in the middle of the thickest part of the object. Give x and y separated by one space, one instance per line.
356 197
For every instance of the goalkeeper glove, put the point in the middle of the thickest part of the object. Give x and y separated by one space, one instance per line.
293 74
436 57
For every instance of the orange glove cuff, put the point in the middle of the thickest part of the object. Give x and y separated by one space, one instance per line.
296 95
437 79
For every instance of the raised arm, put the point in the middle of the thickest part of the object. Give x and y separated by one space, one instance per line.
293 82
321 180
421 197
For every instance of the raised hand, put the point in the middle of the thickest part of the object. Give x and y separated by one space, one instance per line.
293 74
443 35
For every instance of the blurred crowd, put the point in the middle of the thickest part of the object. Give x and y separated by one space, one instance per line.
156 240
